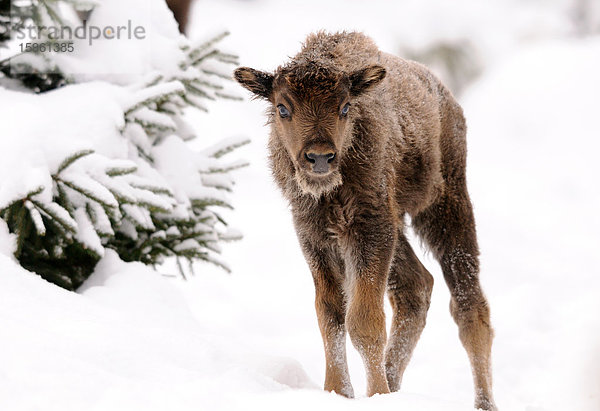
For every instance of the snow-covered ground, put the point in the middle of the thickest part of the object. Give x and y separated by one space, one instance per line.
132 339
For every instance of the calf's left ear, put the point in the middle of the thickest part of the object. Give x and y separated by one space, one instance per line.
363 79
258 82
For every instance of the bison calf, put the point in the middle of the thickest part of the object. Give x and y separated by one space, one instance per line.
360 138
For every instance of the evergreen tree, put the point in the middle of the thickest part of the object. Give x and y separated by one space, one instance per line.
162 200
35 71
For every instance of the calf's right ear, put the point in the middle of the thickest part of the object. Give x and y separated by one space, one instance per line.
258 82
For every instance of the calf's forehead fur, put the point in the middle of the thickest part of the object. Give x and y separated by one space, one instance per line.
310 81
329 65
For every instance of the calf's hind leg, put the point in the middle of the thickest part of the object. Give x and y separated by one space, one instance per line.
409 291
448 226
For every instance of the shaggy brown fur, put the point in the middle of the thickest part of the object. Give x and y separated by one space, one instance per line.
360 138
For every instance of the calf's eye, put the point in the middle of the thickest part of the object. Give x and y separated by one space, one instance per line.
283 111
345 109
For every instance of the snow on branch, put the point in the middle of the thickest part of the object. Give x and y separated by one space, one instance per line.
116 170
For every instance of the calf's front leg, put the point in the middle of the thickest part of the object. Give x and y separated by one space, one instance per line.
331 310
367 260
329 303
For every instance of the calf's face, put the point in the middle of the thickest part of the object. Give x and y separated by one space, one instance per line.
312 116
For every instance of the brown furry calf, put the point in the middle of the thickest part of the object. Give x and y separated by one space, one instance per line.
360 138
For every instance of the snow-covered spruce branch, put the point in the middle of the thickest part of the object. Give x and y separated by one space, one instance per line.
153 114
139 189
34 68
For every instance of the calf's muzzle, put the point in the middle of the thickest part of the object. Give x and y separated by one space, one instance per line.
320 161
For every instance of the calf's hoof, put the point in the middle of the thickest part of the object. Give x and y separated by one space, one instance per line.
485 404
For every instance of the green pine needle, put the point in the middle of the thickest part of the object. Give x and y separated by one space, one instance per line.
73 158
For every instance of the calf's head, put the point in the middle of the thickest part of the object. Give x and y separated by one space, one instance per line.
311 115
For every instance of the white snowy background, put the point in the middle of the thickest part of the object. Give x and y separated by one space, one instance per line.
135 339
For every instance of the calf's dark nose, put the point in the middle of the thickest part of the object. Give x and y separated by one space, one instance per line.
320 161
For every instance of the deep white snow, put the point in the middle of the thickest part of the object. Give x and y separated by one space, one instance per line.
134 339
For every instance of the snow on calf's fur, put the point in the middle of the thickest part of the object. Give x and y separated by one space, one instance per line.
360 138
